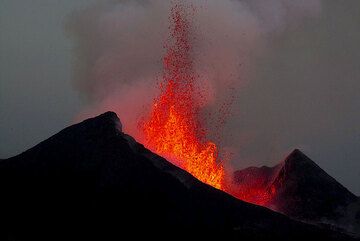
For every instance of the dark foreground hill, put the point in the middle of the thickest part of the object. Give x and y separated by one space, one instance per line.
93 181
299 188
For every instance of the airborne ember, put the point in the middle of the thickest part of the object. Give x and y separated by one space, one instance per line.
173 128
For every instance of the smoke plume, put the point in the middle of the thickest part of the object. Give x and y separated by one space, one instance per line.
119 47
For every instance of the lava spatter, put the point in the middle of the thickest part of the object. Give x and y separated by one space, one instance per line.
173 128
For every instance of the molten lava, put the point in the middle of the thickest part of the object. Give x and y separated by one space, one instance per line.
258 185
173 128
258 195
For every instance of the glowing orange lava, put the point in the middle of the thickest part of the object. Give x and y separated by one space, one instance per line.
254 194
172 128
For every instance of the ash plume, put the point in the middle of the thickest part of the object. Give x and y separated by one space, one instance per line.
119 47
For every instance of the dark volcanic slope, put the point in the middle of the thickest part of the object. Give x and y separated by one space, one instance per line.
301 189
92 181
304 185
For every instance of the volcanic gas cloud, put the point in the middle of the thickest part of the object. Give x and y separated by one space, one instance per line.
173 128
207 53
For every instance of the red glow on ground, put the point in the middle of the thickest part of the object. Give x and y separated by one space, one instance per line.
254 194
172 128
257 185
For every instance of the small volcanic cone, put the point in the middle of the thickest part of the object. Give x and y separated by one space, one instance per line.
305 191
295 182
299 188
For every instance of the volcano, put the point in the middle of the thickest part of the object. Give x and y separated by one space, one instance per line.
299 188
91 180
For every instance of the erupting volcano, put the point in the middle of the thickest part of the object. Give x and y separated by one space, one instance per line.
173 128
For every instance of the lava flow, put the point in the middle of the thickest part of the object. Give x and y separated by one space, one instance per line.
173 128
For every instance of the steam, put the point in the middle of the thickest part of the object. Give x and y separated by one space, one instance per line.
119 46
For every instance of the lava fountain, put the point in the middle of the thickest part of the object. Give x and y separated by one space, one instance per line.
173 128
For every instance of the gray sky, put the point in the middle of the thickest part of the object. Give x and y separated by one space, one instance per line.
36 94
303 88
305 92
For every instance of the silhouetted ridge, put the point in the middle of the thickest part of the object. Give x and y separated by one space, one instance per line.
90 180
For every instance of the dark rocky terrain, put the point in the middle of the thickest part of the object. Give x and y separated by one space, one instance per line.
91 181
299 188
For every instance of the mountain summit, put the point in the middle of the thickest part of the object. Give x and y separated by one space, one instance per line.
303 184
299 188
